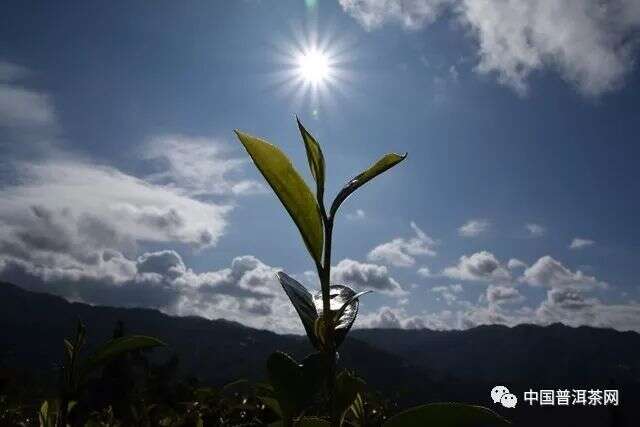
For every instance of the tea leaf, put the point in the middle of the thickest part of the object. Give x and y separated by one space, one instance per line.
295 384
386 162
347 388
315 158
290 188
447 415
303 303
344 305
118 346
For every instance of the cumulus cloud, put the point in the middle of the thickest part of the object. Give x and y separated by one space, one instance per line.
398 318
402 252
579 243
550 273
515 263
591 44
66 206
474 228
573 308
448 293
199 166
362 276
481 266
535 230
499 295
246 291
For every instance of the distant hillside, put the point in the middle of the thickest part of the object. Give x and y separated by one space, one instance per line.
553 354
409 365
33 325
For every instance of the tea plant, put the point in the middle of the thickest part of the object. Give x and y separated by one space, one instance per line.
327 316
76 371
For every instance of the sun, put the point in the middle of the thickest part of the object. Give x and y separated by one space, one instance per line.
312 69
314 66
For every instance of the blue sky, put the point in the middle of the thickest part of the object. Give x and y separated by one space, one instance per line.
121 181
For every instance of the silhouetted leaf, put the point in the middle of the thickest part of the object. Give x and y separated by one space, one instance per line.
315 157
312 422
447 415
118 346
290 188
295 384
287 378
386 162
303 303
272 403
347 387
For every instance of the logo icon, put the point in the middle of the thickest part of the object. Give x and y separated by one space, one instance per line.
500 394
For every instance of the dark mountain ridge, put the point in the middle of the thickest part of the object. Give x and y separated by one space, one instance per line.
412 366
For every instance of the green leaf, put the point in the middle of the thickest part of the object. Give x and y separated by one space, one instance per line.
118 346
386 162
315 158
447 415
303 303
290 188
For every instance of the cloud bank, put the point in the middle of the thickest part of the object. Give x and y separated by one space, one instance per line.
591 44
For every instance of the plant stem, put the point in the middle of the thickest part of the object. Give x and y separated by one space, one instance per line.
325 281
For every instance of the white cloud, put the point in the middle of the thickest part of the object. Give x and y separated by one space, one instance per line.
21 108
448 293
412 14
199 166
247 291
535 230
499 295
389 317
72 205
579 243
474 228
10 72
362 276
550 273
590 43
24 108
481 266
401 252
357 215
425 272
516 263
575 309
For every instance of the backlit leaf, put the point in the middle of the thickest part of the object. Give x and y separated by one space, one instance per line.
288 185
343 301
315 157
386 162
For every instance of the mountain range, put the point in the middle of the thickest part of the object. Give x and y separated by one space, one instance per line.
412 366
